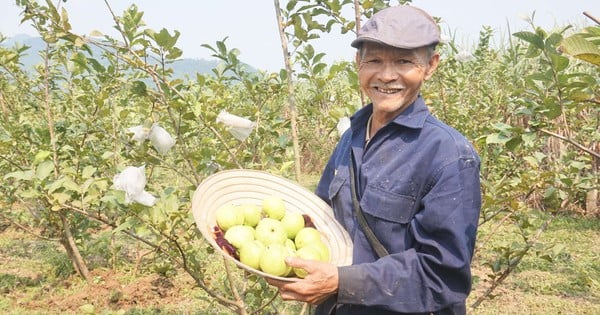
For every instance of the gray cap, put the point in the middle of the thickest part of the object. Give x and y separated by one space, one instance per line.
400 26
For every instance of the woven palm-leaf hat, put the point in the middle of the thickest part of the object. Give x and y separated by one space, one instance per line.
242 186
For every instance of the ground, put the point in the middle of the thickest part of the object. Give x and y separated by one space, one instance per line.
32 281
27 287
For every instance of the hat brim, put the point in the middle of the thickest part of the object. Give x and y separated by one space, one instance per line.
252 187
357 43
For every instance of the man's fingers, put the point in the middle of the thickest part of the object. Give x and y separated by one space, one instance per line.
293 261
296 262
275 282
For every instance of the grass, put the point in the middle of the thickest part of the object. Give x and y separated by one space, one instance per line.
36 278
563 277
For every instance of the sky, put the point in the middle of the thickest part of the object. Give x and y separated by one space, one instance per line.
251 25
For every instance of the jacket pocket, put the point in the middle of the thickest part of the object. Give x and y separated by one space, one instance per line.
389 215
388 206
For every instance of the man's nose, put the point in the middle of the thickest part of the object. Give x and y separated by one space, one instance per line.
388 72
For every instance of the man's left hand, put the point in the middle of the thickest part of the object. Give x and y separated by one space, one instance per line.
320 283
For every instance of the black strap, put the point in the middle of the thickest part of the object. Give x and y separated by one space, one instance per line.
375 243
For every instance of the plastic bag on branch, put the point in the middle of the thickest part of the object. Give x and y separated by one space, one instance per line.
132 180
161 140
343 125
239 127
140 133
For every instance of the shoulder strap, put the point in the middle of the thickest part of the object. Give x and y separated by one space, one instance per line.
375 243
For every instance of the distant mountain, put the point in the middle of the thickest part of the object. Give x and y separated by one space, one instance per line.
184 67
31 57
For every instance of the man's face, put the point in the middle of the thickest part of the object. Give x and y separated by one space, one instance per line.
392 77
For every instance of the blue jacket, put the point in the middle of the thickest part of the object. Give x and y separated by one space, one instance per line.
419 190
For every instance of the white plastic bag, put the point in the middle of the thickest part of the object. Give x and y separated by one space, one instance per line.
343 125
140 133
161 139
464 56
132 180
239 127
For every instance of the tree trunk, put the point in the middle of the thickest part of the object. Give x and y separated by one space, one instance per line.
591 203
290 85
592 207
69 244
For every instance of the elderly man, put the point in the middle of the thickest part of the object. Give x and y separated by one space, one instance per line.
414 210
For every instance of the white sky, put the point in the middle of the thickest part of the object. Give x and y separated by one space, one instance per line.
251 25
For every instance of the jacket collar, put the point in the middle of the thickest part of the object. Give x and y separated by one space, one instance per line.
413 116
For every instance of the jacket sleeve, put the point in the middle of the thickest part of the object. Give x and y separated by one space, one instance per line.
434 272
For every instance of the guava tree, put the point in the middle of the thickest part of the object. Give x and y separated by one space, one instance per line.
531 113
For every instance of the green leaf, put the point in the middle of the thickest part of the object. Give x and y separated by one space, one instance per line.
543 77
581 96
139 88
497 138
528 137
30 194
53 186
65 19
165 40
552 110
291 4
123 226
552 41
60 197
44 169
559 63
107 155
319 67
88 171
532 161
221 46
41 156
502 127
531 38
70 184
513 143
174 53
579 47
20 175
283 74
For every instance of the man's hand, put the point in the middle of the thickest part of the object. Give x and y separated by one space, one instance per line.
320 283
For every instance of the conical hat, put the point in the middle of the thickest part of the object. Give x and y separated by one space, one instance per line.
252 187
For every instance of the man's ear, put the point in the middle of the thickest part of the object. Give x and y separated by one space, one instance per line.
357 58
432 65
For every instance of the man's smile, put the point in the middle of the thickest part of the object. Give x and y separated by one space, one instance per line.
388 90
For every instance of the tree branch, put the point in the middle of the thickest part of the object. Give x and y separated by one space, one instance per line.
26 229
571 141
593 18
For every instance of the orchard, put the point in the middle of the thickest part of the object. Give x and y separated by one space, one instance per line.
100 153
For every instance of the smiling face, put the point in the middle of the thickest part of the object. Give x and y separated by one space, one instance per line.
392 77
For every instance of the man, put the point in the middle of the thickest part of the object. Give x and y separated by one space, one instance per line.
417 180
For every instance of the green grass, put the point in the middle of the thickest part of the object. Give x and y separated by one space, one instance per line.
560 276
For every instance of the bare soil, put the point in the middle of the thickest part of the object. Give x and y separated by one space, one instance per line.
28 289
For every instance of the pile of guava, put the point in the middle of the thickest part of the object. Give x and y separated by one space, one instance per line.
261 236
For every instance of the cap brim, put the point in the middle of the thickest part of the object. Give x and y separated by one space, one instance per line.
251 186
359 41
